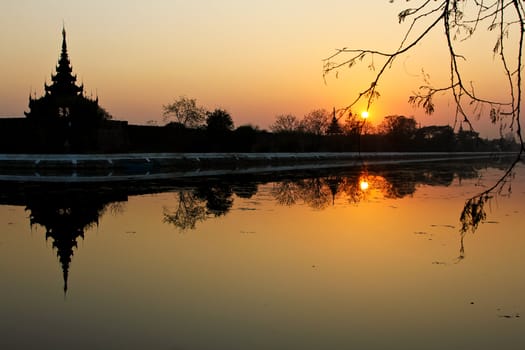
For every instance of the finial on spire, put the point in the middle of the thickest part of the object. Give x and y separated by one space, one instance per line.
64 44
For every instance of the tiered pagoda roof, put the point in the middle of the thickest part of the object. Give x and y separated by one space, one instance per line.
63 98
64 82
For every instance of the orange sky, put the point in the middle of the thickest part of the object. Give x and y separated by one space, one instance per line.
254 59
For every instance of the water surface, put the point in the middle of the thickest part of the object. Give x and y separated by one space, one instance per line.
361 258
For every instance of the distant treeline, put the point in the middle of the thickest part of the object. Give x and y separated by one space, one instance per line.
174 138
193 129
23 136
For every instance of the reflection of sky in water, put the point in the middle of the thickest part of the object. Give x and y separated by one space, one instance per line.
302 264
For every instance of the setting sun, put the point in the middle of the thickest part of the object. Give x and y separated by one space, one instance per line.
364 114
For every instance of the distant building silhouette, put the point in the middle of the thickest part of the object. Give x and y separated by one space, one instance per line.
334 128
63 99
63 120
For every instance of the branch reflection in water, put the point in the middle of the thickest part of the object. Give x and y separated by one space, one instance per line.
474 211
207 200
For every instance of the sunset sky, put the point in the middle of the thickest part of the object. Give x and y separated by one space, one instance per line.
256 59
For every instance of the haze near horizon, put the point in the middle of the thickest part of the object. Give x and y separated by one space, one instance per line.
256 60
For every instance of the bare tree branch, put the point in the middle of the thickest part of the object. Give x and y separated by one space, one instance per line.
501 15
460 20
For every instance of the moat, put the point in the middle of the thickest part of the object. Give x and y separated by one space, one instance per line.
368 256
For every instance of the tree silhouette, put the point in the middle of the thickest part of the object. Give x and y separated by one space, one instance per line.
399 130
315 122
285 123
353 124
219 122
185 112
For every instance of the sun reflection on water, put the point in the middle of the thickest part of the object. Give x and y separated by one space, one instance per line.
363 185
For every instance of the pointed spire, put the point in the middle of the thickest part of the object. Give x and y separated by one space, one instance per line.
64 241
63 97
64 57
64 82
65 275
333 127
64 44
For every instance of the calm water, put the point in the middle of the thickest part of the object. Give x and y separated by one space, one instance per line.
368 258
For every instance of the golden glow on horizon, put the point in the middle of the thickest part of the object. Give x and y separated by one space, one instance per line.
365 115
255 59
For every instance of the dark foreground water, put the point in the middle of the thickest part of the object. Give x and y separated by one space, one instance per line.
364 258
